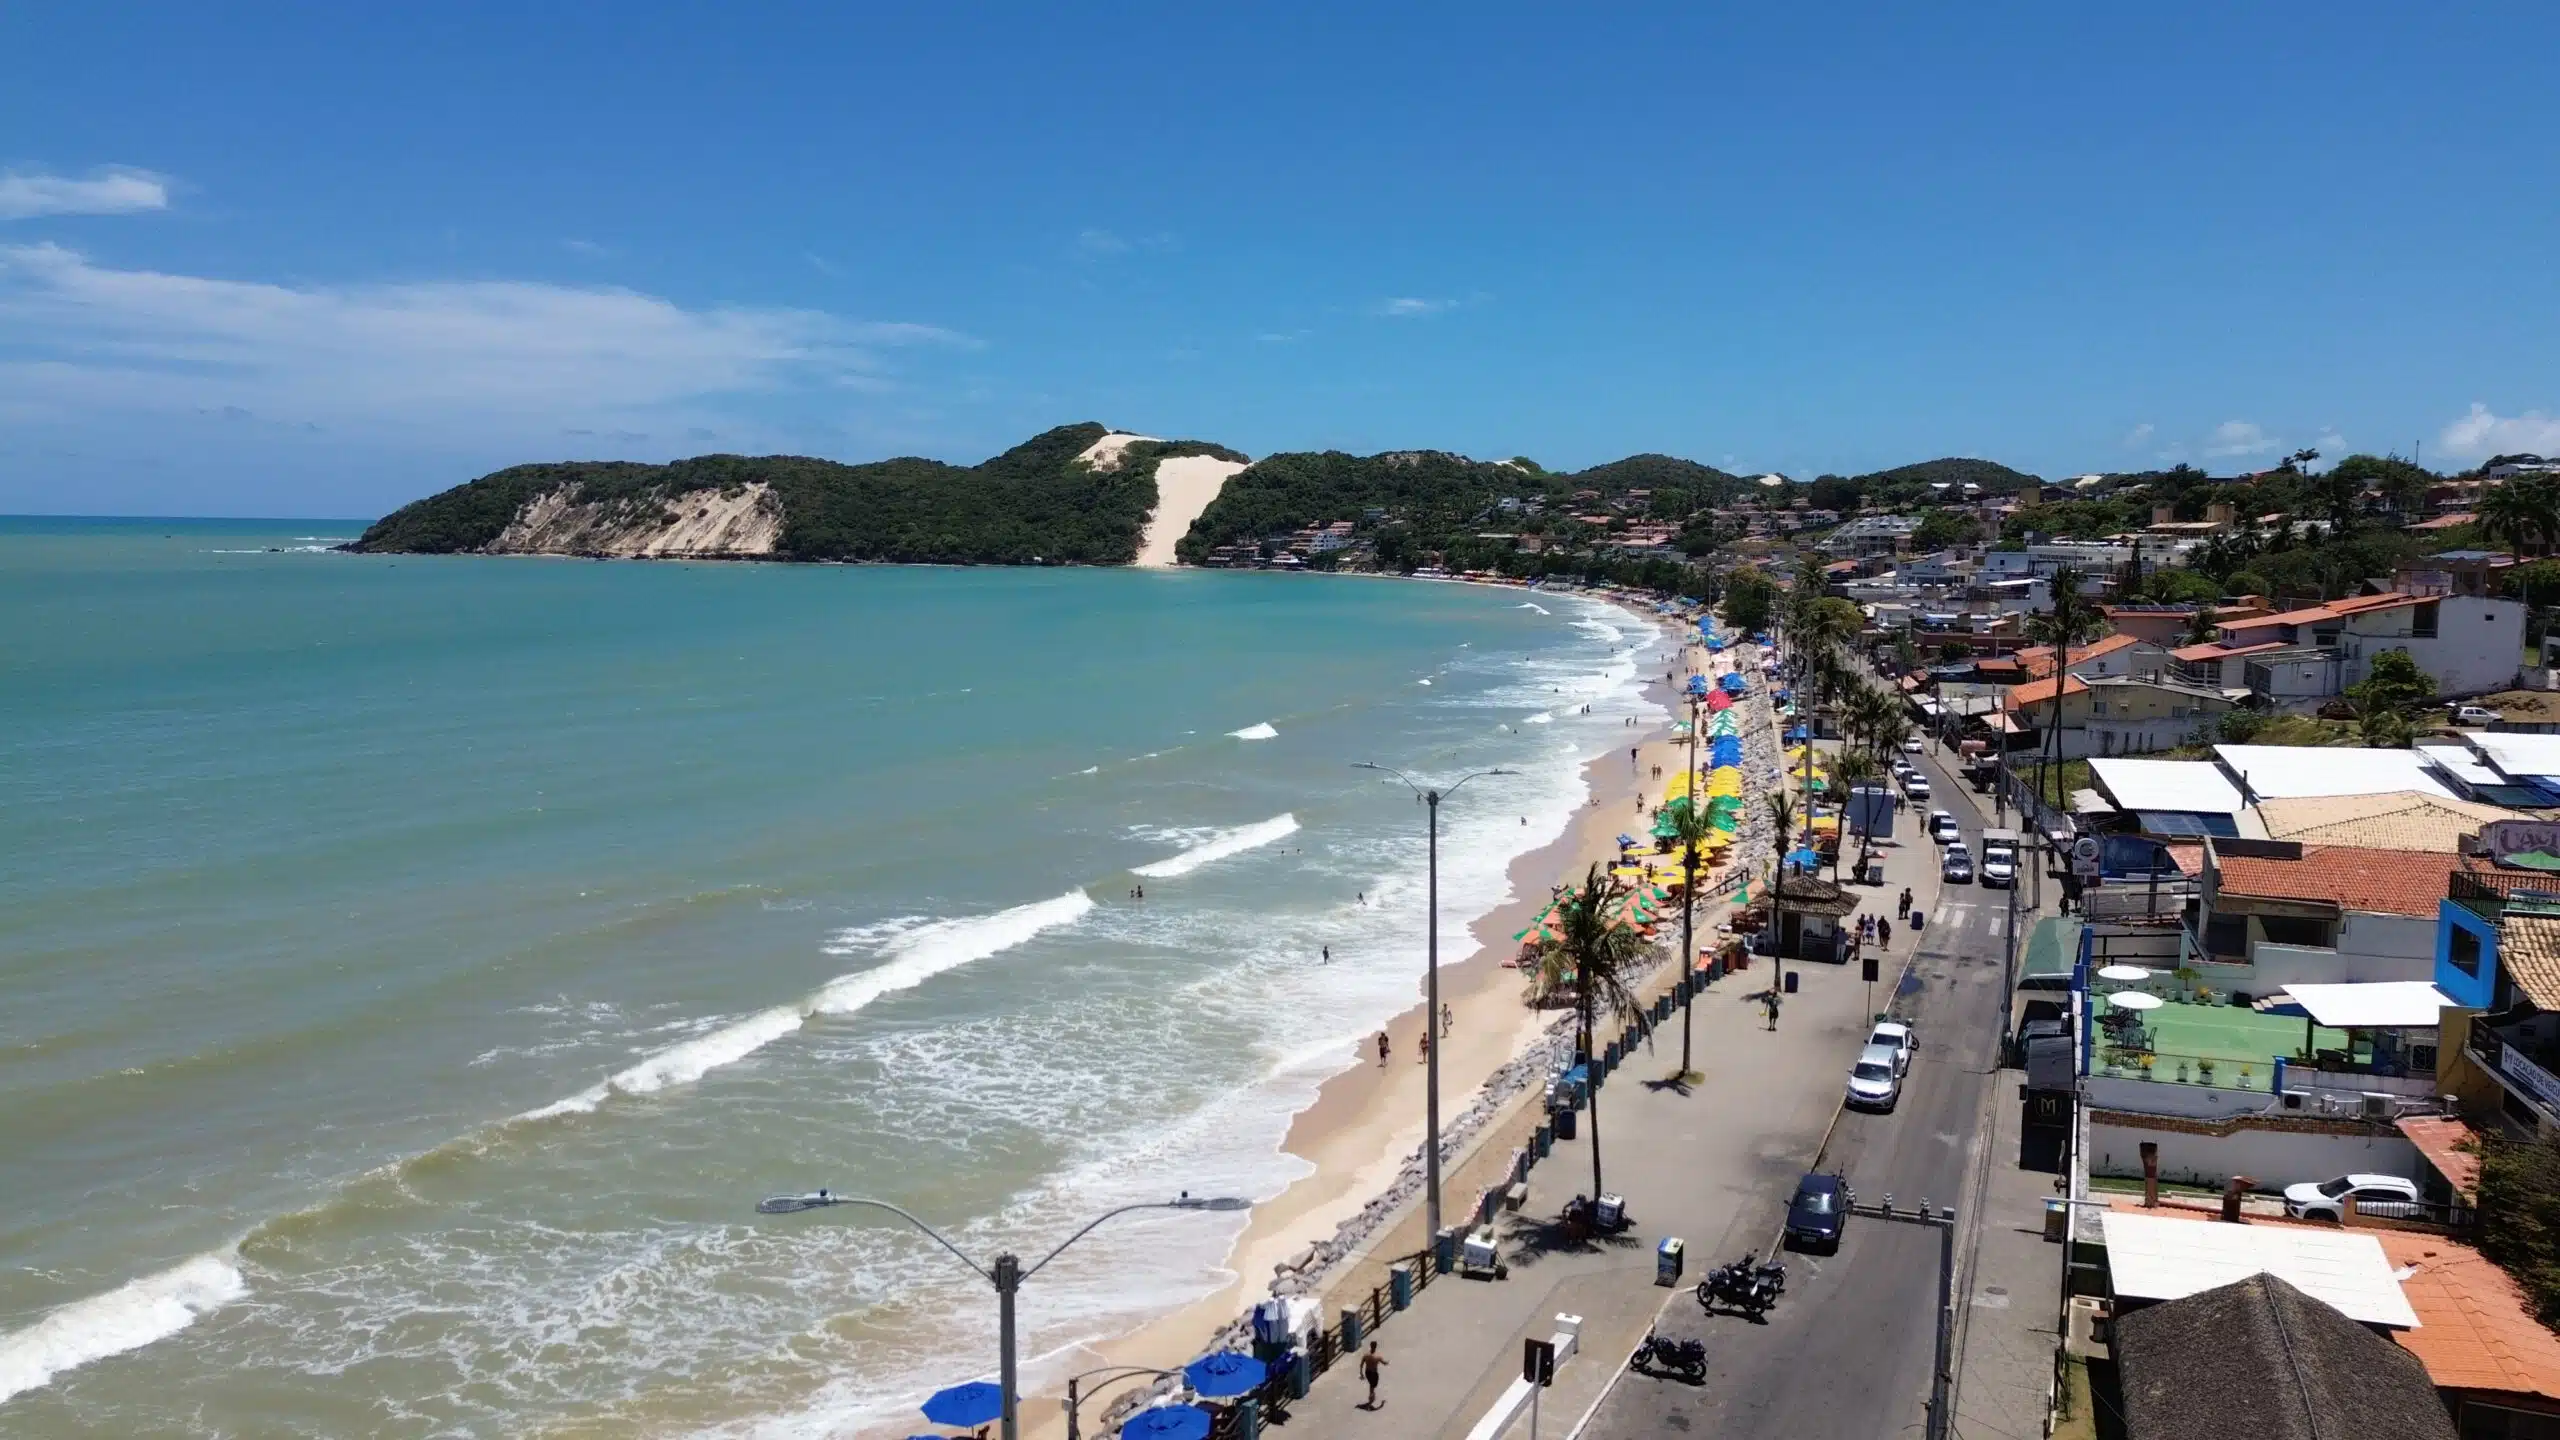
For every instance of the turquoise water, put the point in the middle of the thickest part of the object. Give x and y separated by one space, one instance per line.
413 970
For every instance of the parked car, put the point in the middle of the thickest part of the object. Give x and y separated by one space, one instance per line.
1914 745
1942 827
2474 715
1917 787
1875 1081
1819 1212
2389 1196
1897 1034
1955 866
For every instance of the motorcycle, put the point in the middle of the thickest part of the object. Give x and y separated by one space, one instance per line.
1747 1285
1686 1359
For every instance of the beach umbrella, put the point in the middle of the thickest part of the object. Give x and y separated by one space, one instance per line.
1803 859
1168 1422
1625 840
961 1406
2134 1000
1718 702
1227 1373
1542 928
2124 974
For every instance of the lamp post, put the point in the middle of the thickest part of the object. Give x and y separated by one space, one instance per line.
1005 1273
1431 797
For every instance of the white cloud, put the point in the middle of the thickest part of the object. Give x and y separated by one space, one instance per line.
1101 242
107 192
2238 437
1406 307
588 248
2134 437
2483 433
485 354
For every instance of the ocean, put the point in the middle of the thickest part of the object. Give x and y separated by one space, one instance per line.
413 970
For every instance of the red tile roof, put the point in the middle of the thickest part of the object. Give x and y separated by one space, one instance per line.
2450 1145
2212 650
2038 692
2379 882
2475 1331
2039 658
2309 615
2446 522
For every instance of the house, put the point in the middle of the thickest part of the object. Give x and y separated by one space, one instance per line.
2162 625
2217 666
2392 820
2257 1356
2468 643
2498 957
2495 768
1871 535
2280 772
2276 913
2130 716
2495 1367
2109 655
1806 920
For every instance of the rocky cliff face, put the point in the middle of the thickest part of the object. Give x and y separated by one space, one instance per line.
742 522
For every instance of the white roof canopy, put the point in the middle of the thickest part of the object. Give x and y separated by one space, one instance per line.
2158 1259
2193 786
2375 1004
2283 772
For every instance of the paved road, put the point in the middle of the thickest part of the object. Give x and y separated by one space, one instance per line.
1848 1352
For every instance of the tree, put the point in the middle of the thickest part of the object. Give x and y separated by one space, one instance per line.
1782 824
2403 485
2393 690
1594 953
1750 600
2245 582
1940 529
1690 830
2071 620
1832 492
1849 770
2200 627
2523 512
2520 1217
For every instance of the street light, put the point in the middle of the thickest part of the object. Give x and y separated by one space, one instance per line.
1431 988
1006 1274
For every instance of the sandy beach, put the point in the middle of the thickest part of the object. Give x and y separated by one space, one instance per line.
1367 1121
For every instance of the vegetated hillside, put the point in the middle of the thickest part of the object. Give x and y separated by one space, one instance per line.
1033 503
1432 500
1908 484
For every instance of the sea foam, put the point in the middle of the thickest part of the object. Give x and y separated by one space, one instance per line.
1262 731
1218 847
128 1317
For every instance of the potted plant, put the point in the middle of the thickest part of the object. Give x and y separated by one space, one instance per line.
2204 1071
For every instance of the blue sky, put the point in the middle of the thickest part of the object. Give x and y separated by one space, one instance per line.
320 261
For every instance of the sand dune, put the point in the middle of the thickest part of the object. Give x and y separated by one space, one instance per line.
1185 485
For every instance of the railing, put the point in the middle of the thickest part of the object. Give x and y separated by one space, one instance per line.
2131 1062
2139 902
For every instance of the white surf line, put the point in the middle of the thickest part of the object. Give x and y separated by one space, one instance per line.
914 956
1218 847
1261 731
128 1317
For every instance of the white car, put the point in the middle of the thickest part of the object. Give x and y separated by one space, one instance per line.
1917 787
1896 1036
2384 1195
2474 715
1942 827
1913 746
1875 1082
1999 868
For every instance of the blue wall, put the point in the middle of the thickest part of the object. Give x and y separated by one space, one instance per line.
2472 992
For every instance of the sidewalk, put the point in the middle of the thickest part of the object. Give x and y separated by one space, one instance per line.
2011 1310
1708 1166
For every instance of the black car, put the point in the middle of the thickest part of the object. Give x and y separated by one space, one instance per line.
1819 1213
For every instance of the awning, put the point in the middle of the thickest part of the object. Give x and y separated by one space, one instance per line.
2380 1004
2451 1146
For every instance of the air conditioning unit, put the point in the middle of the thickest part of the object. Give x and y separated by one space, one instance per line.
2449 1105
2379 1106
2296 1099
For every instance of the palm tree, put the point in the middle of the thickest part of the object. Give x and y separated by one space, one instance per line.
2525 513
2071 620
1782 822
1849 770
1600 951
1690 830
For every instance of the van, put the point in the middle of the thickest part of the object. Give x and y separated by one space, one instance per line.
2000 857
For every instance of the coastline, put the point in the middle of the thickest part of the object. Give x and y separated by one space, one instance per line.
1365 1124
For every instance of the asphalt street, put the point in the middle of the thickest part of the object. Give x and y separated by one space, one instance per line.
1847 1353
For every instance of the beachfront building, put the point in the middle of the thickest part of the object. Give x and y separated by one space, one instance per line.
1871 535
2296 659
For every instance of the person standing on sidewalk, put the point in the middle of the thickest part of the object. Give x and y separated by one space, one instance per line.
1372 1365
1902 907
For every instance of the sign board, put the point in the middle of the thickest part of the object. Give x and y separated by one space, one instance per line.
2085 855
2503 838
1867 967
1538 1361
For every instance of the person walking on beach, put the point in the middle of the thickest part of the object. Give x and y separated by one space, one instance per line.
1448 1018
1328 954
1425 1057
1372 1366
1382 1049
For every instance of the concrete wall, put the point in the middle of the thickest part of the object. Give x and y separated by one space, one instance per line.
2273 1158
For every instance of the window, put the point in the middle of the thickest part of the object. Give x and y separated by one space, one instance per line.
2422 622
2465 951
2293 930
2227 935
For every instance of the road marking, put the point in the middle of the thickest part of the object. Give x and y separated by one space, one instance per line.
1999 922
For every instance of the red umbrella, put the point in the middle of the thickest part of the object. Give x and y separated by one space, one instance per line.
1718 701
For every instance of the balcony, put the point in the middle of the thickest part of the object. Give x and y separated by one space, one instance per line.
2511 1056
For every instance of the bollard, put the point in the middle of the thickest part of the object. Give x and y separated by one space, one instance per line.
1400 1284
1444 1252
1544 1140
1248 1419
1350 1328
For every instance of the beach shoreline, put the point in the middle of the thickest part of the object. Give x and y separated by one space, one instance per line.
1365 1123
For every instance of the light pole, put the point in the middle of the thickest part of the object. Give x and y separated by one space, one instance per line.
1431 988
1006 1273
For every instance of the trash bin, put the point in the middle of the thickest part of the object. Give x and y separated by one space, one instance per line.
1564 1124
1610 1213
1668 1257
1790 986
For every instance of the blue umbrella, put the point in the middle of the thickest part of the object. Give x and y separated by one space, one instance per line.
1229 1372
1803 860
1168 1422
961 1406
